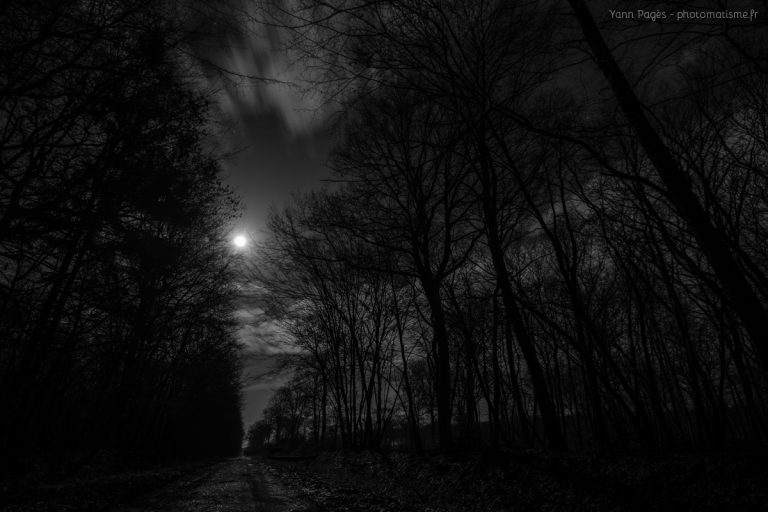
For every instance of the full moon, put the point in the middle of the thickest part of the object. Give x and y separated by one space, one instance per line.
240 241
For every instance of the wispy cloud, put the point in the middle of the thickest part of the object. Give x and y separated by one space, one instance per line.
261 336
256 74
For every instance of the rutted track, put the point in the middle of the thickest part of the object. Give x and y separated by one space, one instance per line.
235 485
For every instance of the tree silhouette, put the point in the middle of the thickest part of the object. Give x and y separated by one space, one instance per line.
586 264
115 295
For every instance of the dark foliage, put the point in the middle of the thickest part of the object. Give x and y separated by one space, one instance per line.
115 282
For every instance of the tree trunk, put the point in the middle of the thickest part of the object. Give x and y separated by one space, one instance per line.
552 429
442 358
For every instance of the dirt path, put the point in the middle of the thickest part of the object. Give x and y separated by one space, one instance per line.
236 485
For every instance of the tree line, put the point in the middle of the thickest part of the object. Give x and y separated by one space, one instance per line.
116 286
547 228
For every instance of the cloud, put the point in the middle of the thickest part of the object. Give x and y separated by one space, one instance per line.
266 380
248 62
265 338
246 315
261 336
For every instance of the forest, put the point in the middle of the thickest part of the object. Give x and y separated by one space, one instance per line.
544 232
116 283
546 228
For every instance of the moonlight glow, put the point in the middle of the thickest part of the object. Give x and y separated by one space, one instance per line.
240 241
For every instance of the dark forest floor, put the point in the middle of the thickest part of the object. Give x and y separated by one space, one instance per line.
370 482
529 482
92 492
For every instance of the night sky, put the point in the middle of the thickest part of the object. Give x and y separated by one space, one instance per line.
277 136
276 163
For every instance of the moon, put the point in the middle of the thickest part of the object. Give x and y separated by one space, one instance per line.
240 241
